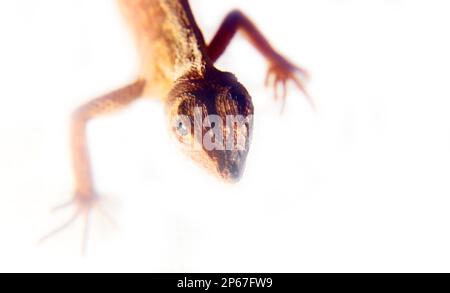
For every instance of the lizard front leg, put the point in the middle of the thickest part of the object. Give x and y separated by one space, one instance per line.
280 69
85 195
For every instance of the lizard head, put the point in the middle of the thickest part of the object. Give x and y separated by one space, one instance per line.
211 116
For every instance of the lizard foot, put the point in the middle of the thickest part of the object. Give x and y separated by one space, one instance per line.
83 206
280 72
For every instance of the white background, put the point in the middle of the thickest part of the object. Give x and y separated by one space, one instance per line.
362 185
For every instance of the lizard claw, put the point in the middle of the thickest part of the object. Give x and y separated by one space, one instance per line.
83 206
280 72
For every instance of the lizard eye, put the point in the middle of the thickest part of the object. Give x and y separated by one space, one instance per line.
181 129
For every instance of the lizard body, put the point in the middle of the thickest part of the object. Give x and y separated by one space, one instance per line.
168 40
177 66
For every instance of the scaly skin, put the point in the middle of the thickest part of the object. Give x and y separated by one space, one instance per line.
168 40
178 67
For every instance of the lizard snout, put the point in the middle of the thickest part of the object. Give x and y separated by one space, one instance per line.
231 165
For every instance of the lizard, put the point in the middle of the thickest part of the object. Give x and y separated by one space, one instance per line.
178 67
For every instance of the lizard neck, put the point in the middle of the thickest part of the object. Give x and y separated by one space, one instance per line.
190 54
